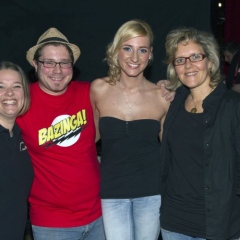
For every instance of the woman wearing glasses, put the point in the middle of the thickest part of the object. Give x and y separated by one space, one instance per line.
200 177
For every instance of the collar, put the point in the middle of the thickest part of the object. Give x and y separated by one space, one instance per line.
214 98
210 103
16 130
211 99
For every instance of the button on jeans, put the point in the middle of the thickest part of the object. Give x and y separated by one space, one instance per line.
132 219
92 231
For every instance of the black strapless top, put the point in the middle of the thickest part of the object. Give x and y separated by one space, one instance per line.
130 159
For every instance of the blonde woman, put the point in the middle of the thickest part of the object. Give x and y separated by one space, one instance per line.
129 113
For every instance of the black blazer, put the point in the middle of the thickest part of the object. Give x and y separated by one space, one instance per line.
221 157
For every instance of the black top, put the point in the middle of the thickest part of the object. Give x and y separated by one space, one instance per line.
16 175
221 159
130 160
184 203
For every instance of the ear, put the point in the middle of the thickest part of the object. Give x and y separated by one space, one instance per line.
150 55
209 65
35 65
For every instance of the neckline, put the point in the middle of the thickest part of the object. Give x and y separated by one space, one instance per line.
122 120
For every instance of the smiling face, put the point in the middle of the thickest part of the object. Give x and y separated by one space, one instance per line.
11 95
192 74
134 55
54 81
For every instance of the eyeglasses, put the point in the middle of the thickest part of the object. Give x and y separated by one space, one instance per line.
52 64
196 57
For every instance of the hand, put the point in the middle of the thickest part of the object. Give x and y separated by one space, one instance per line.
169 95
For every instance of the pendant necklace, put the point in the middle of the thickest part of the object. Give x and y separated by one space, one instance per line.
194 109
126 100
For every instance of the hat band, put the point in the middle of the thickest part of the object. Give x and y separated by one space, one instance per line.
53 39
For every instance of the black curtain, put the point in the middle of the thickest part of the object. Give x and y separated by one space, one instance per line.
91 24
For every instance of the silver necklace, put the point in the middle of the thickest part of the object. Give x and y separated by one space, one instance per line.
130 107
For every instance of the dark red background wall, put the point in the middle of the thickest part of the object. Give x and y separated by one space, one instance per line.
232 21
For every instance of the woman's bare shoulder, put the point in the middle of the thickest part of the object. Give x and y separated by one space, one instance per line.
157 94
154 88
100 81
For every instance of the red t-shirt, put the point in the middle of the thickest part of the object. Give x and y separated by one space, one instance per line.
60 136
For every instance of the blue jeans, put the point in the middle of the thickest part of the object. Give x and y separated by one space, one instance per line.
167 235
132 219
92 231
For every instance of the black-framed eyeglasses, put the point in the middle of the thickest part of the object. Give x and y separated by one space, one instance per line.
196 57
52 64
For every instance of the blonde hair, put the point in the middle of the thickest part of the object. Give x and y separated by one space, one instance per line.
201 38
130 29
24 80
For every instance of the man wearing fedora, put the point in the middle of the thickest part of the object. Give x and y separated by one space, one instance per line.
59 133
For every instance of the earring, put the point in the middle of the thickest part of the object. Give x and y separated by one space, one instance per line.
149 60
210 71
